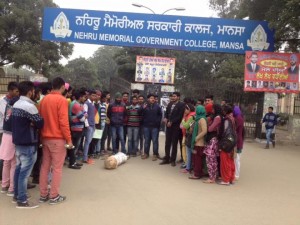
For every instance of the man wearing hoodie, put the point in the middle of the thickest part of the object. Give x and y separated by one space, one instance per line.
117 113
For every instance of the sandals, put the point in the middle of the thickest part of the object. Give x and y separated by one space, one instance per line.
194 177
209 181
224 183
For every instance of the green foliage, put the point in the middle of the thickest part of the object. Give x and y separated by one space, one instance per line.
20 36
282 15
80 72
105 65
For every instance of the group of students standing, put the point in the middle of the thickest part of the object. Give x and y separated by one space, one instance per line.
204 125
45 125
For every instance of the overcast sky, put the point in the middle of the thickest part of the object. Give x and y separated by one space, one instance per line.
197 8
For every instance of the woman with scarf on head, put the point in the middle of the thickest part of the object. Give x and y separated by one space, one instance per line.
186 124
227 158
212 149
239 121
198 141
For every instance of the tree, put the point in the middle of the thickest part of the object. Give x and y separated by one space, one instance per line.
282 15
105 65
20 36
80 72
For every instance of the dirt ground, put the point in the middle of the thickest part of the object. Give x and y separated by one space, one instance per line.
141 192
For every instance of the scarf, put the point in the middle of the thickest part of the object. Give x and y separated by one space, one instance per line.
200 113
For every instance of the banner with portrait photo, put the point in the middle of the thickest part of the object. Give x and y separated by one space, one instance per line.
151 69
272 72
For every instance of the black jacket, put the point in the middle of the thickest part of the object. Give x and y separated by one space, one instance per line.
175 117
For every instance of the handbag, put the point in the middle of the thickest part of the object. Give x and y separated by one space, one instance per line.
229 139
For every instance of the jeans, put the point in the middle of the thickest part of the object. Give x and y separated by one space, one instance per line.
133 134
89 132
141 139
151 134
76 138
268 135
117 130
26 157
188 158
98 145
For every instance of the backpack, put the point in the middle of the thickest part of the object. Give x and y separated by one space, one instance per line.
229 138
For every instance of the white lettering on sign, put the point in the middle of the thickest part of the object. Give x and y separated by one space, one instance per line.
159 41
89 21
231 30
85 36
164 26
231 45
197 28
123 22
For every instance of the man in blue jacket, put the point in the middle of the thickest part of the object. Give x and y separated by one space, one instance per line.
25 123
151 114
270 120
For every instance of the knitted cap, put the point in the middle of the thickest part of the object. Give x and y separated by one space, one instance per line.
118 95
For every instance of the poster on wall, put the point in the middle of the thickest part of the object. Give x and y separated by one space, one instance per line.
151 69
272 72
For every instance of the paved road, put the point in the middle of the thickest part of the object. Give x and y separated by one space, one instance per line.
141 192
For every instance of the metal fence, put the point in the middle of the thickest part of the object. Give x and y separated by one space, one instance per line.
5 80
297 105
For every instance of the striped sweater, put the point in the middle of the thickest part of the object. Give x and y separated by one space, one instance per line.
77 117
133 116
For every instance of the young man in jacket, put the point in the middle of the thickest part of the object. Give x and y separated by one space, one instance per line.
25 123
151 114
173 120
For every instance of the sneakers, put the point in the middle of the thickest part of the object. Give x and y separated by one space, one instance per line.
89 161
15 200
75 167
10 193
57 200
154 157
26 205
44 199
79 164
145 156
4 190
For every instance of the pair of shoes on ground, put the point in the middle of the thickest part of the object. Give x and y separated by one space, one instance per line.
76 166
89 161
165 162
52 201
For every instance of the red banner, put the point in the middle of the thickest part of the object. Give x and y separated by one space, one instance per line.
272 72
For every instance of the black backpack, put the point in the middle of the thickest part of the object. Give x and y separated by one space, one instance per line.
229 138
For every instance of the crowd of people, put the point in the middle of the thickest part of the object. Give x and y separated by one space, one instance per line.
45 125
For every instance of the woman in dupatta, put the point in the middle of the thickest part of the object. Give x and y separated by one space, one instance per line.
227 158
212 149
198 141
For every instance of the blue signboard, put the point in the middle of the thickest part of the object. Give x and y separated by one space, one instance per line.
157 31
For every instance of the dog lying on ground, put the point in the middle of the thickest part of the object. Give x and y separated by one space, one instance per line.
113 161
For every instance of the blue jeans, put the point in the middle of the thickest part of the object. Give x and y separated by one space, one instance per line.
98 145
188 158
88 134
151 134
117 130
26 157
133 135
268 135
